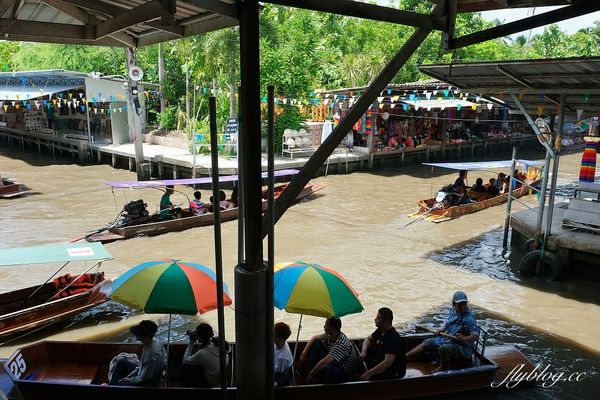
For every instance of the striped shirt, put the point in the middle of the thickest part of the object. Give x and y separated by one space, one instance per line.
342 351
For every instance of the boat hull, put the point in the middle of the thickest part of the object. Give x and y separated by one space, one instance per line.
76 370
446 214
18 314
181 224
11 190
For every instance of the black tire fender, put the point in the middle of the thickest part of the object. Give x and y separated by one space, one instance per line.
552 267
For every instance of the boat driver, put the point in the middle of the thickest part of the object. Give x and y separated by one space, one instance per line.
167 209
454 343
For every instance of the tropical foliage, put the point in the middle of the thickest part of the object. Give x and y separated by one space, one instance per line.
301 51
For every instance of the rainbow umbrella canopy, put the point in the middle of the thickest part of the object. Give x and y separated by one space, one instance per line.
311 289
169 287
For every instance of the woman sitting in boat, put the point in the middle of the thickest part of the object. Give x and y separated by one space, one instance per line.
282 354
152 360
454 343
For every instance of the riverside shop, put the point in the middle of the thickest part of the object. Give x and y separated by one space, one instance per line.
412 116
66 105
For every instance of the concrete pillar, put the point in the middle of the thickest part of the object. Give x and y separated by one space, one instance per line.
175 171
159 162
131 163
114 160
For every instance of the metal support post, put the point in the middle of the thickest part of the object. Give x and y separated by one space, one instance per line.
254 367
510 197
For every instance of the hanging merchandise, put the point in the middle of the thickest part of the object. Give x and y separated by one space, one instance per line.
369 122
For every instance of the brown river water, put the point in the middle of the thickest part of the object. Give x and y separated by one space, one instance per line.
354 225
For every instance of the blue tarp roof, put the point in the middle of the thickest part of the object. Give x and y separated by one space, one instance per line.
471 166
53 253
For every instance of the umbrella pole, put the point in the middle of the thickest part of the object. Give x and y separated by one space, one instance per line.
168 344
296 348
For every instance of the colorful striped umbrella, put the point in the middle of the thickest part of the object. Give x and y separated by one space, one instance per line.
169 287
311 289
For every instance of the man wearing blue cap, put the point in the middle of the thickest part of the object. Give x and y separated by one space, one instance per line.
455 341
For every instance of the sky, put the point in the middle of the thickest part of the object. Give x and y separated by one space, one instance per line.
570 25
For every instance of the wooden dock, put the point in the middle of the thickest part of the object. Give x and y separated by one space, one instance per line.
170 162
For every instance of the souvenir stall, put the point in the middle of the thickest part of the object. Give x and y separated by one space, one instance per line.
68 104
412 115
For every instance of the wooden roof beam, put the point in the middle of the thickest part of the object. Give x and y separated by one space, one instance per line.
5 5
16 8
33 31
582 7
368 11
135 16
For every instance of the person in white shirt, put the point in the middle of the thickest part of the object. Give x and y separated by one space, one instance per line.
283 356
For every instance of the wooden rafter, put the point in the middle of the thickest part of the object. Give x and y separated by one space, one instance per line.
140 14
368 11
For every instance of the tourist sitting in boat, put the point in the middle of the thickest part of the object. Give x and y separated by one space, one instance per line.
383 350
492 188
454 343
148 371
504 186
201 366
479 187
234 196
329 357
196 205
167 209
225 204
520 178
282 354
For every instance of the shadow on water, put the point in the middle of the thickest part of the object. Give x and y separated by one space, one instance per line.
484 254
541 348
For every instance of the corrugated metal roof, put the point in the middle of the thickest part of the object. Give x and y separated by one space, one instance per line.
538 83
132 23
137 23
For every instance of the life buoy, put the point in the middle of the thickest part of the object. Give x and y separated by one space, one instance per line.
531 264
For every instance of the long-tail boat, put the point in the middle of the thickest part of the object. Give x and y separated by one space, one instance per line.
77 370
35 307
153 224
438 211
10 189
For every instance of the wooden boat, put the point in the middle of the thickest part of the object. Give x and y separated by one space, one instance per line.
12 189
156 226
38 306
433 211
77 370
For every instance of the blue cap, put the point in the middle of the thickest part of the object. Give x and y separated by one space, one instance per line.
459 297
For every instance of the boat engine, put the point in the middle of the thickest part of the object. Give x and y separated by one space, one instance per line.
444 197
135 210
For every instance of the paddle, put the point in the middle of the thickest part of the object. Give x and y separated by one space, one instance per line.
420 217
426 329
